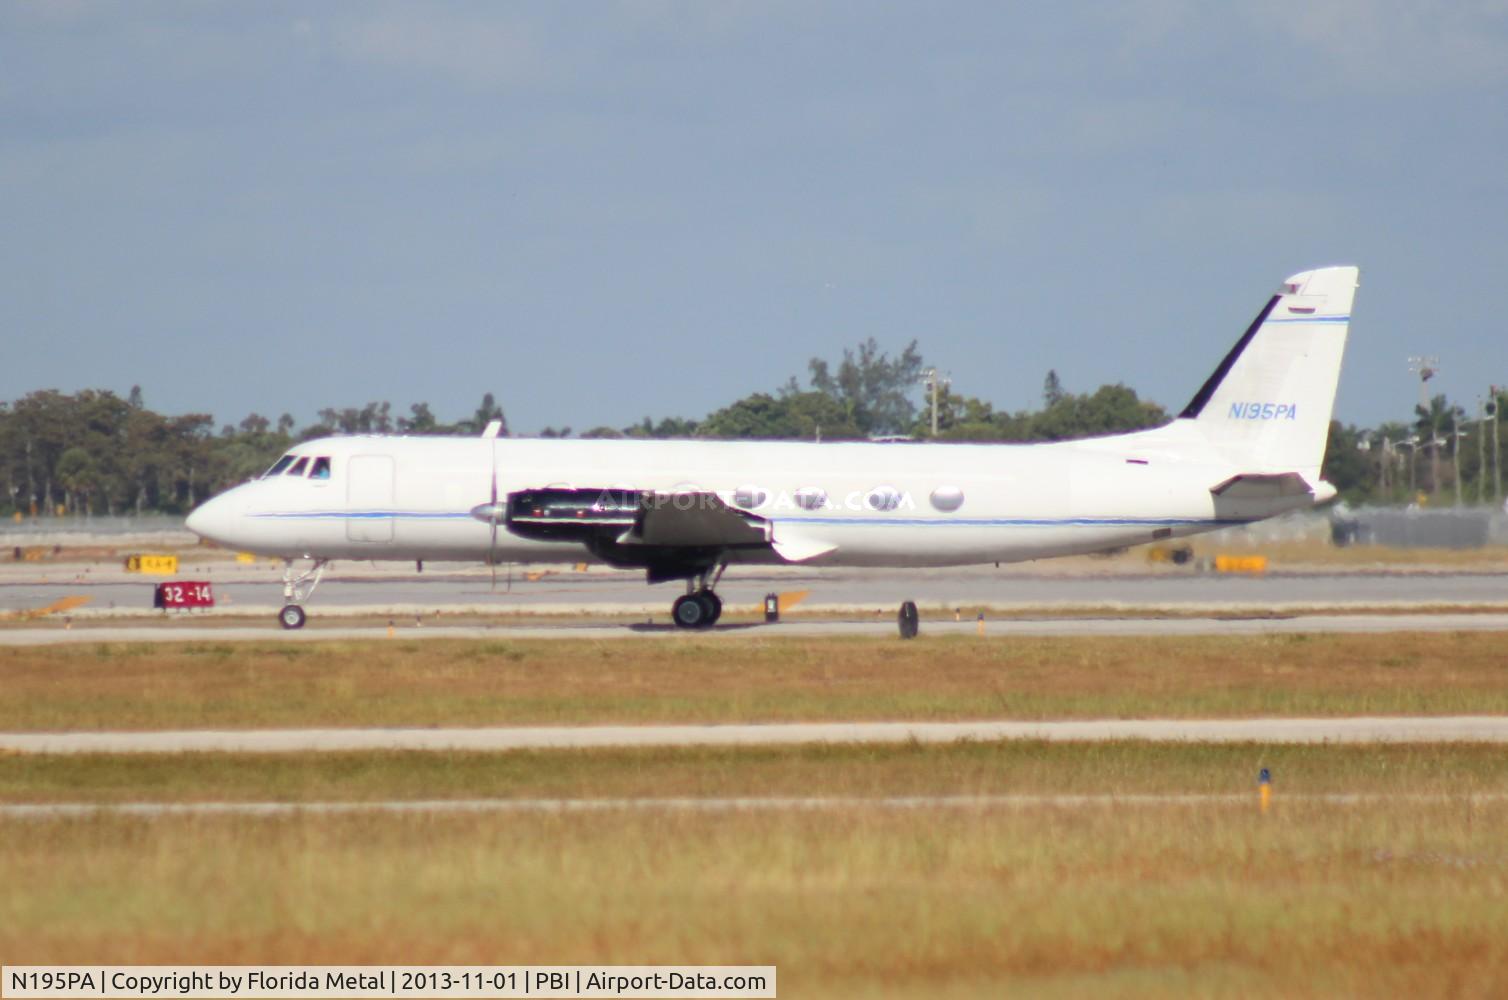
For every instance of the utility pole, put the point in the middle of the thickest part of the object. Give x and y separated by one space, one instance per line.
933 380
1456 434
1412 444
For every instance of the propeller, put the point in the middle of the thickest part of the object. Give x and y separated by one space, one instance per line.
492 512
492 521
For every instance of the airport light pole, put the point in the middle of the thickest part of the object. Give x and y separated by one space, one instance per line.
932 379
1384 466
1364 443
1426 368
1481 454
1497 472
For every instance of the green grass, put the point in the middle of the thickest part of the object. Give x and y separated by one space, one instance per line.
688 679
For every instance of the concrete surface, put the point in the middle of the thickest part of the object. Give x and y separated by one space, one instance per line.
1416 729
190 630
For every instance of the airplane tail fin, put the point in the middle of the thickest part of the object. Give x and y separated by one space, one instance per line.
1267 406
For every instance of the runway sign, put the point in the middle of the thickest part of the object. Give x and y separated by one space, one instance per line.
154 564
180 594
1240 564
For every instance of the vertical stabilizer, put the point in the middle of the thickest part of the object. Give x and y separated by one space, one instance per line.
1267 406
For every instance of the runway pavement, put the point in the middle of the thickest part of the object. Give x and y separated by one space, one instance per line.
1415 729
353 589
189 630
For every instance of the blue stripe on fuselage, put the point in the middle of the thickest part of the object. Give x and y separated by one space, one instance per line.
862 521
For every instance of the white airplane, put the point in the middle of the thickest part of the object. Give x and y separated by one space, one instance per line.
1247 447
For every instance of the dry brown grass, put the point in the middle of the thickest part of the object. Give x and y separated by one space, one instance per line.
1310 901
993 768
394 682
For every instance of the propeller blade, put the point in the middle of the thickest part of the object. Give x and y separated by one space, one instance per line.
492 545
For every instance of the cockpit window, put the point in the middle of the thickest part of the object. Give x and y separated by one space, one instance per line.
299 467
321 468
278 466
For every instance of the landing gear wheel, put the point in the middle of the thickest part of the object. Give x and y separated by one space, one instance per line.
691 612
712 604
292 616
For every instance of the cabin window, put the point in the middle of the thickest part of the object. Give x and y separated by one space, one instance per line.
298 467
883 498
750 497
947 498
321 468
811 498
278 466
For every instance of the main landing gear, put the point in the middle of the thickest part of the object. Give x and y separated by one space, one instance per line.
700 607
297 588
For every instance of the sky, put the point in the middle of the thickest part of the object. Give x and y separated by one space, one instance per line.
602 211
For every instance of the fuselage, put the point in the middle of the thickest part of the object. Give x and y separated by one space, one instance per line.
894 504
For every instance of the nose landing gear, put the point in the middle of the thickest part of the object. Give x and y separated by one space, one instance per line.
297 588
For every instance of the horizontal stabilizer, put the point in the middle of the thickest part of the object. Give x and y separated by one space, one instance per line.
1249 486
1254 496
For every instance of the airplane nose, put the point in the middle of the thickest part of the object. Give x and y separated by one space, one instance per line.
209 520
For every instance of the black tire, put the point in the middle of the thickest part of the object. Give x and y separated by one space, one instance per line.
292 616
689 612
908 620
713 605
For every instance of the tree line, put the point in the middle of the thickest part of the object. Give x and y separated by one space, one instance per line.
93 452
1443 456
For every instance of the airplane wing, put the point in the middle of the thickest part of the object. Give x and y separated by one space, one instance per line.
704 520
617 523
700 520
796 546
634 518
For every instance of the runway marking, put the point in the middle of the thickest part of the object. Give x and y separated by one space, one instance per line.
1398 729
772 803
